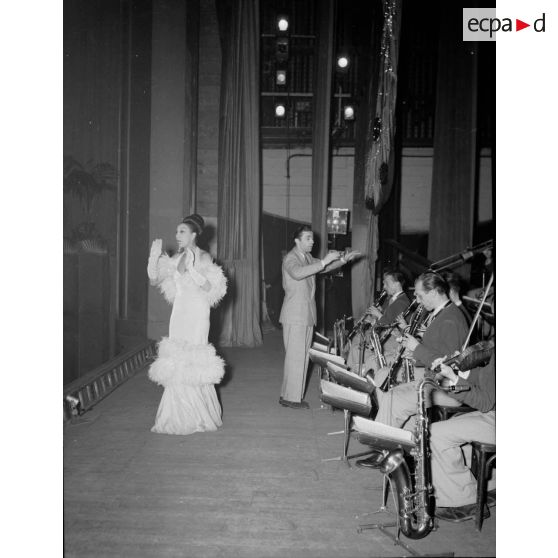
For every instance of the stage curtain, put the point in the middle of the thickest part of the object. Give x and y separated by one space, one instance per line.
238 231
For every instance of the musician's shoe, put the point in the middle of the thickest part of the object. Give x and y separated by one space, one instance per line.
293 404
372 462
461 513
491 498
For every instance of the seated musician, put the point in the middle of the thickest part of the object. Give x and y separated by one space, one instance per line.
393 284
446 331
454 484
455 283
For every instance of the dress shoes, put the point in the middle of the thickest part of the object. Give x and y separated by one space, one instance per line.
373 461
293 404
461 513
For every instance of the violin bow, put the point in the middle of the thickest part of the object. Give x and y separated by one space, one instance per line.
477 313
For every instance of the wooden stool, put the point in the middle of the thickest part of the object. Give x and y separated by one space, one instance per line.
445 412
482 463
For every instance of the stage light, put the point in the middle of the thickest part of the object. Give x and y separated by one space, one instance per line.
343 62
348 112
73 405
282 23
282 49
281 77
280 110
337 220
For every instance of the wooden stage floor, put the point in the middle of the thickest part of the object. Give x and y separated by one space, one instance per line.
256 488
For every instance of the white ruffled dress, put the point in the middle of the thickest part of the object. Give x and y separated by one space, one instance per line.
187 365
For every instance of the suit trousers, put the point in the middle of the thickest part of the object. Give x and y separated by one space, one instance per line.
297 340
453 482
397 405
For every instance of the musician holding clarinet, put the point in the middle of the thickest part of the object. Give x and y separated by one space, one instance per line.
298 314
446 331
382 316
393 284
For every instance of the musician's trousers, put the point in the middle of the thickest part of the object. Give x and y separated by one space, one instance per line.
453 481
297 340
398 404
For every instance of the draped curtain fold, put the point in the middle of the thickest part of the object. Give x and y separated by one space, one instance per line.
381 129
239 201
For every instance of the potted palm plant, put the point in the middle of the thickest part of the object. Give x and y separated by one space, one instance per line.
87 182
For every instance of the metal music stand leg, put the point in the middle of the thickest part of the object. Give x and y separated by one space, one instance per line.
323 373
385 491
346 437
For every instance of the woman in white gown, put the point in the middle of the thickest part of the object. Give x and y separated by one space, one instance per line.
187 365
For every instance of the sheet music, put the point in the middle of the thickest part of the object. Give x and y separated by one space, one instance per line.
322 358
350 379
341 393
380 430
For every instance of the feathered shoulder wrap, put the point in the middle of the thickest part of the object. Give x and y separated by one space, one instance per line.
214 274
163 276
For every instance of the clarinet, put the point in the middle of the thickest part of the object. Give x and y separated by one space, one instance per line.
415 323
377 303
388 329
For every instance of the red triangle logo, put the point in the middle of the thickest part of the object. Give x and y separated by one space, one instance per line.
519 25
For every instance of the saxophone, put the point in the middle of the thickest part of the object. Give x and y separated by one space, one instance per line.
415 500
378 348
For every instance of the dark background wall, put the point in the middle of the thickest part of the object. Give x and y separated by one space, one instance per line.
141 93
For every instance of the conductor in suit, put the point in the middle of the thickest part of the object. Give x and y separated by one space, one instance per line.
298 313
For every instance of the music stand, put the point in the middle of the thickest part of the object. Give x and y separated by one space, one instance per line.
349 379
321 358
351 402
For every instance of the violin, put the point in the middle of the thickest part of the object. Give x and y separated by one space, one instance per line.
473 356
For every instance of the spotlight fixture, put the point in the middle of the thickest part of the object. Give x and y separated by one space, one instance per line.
343 62
282 49
280 110
282 23
281 77
73 405
348 112
337 220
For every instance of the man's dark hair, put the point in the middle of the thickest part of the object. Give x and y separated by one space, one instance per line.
433 281
397 276
454 280
302 229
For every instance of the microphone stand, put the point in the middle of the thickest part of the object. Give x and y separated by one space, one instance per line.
477 313
456 260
